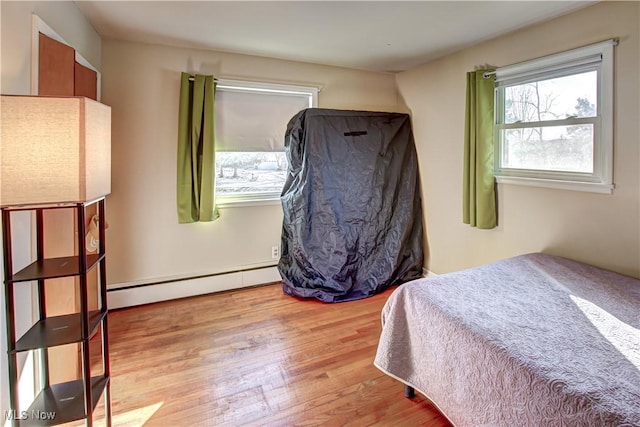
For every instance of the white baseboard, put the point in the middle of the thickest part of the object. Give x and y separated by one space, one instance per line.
428 273
137 294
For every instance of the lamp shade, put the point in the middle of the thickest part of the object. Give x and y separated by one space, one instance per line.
54 150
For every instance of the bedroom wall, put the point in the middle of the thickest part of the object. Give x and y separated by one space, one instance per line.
15 40
603 230
141 83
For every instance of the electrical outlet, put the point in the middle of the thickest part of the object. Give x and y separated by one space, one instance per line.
275 252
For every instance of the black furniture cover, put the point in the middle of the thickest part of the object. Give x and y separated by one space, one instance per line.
352 211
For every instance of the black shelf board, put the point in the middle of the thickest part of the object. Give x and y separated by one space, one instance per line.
58 330
62 403
52 268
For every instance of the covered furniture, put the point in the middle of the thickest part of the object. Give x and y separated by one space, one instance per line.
534 340
352 212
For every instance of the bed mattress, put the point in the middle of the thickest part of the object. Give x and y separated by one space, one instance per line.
534 340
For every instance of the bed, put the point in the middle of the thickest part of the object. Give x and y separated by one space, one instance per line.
534 340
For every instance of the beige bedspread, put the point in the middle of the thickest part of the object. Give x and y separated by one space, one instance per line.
534 340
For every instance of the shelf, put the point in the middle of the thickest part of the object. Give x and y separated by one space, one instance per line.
53 268
59 403
57 330
62 403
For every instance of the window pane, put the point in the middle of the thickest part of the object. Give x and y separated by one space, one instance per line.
559 148
552 99
255 172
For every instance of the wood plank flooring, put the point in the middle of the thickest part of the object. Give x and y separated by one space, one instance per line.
255 357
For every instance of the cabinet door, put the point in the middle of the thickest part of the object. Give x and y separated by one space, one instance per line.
85 82
55 68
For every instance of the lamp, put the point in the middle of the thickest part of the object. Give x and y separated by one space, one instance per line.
54 150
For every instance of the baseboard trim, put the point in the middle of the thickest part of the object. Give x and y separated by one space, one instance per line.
163 290
428 273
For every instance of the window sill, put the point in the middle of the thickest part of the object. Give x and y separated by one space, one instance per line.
245 202
590 187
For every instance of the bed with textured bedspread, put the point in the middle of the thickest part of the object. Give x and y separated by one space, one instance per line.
534 340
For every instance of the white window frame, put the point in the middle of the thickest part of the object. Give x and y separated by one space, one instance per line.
598 57
262 198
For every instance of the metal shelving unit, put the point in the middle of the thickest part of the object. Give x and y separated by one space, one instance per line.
74 400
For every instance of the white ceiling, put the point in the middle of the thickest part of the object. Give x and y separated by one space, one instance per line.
372 35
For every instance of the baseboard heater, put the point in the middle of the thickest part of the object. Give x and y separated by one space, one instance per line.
129 295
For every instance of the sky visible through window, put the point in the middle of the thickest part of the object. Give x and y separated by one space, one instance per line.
567 147
551 99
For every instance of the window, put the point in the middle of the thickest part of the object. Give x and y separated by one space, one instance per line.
554 120
250 123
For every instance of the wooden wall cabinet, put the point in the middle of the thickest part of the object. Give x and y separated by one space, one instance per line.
73 400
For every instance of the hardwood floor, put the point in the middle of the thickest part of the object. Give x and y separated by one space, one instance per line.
255 357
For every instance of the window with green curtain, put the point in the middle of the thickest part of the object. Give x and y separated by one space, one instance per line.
196 150
479 200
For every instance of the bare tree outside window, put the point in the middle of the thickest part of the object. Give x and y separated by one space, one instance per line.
526 103
550 146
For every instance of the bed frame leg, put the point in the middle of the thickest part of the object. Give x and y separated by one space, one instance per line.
409 392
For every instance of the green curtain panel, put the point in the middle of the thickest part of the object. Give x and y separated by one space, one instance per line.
479 199
196 150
